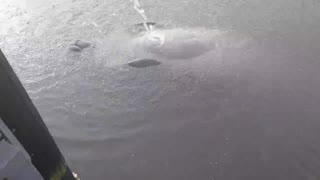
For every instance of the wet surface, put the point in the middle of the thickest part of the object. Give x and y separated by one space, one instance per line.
243 104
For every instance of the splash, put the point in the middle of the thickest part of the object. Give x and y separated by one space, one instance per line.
155 38
138 8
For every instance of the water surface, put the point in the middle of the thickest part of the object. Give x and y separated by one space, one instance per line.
241 103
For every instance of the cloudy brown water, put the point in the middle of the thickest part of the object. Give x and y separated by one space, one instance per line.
242 104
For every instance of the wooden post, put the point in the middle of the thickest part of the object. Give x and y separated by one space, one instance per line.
24 121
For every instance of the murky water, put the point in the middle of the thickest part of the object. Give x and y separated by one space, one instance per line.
236 95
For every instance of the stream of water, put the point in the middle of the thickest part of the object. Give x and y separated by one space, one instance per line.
138 8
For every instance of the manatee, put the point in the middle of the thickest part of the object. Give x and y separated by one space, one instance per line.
82 44
141 63
78 45
74 48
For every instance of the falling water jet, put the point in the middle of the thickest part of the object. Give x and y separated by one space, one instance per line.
137 7
145 62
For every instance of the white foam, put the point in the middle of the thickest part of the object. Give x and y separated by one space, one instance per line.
154 39
177 43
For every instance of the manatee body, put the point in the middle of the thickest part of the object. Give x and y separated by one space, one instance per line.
141 63
78 45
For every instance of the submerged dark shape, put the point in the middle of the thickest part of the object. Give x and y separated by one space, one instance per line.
139 27
149 24
82 44
78 45
141 63
74 48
